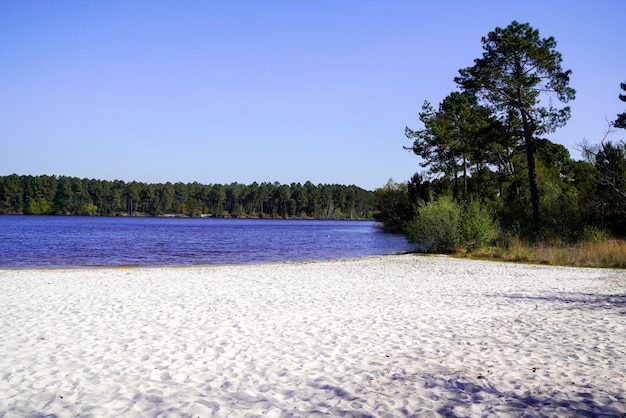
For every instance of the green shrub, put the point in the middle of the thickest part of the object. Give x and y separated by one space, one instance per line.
594 235
445 226
393 209
436 226
477 227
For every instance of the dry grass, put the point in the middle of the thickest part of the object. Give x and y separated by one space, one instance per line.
606 254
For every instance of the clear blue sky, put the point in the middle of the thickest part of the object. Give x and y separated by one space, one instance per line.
287 91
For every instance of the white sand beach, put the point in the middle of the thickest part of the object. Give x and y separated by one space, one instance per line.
385 336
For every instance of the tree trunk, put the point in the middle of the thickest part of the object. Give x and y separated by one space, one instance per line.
464 177
455 186
532 171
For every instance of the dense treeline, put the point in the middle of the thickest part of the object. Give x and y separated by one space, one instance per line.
490 167
577 197
61 195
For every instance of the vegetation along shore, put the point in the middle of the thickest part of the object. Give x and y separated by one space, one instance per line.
63 195
494 185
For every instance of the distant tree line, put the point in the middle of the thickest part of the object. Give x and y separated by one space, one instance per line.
61 195
489 165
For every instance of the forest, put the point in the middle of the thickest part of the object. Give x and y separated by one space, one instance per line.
62 195
490 173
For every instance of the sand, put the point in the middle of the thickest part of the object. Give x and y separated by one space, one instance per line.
385 336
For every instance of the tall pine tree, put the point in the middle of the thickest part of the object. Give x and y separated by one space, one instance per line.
520 74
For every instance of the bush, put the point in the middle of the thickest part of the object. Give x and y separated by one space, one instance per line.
393 209
444 226
477 227
436 226
594 235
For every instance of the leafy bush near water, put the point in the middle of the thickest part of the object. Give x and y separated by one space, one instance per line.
437 226
445 226
478 228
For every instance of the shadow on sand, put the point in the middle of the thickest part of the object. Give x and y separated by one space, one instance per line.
580 301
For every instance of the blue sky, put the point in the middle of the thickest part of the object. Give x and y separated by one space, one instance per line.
287 91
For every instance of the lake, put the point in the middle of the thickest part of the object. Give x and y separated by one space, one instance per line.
69 242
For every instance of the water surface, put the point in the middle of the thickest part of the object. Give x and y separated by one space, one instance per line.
56 241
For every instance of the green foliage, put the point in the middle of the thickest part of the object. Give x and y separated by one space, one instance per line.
516 69
620 122
489 135
38 207
419 190
610 162
445 226
594 235
518 66
608 186
89 209
393 209
560 213
73 196
452 138
436 226
477 227
559 198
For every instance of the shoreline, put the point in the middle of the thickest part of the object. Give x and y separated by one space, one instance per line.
211 265
395 335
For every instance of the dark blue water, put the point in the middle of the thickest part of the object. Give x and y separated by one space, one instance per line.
48 241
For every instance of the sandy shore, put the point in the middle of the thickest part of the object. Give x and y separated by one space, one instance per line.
385 336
